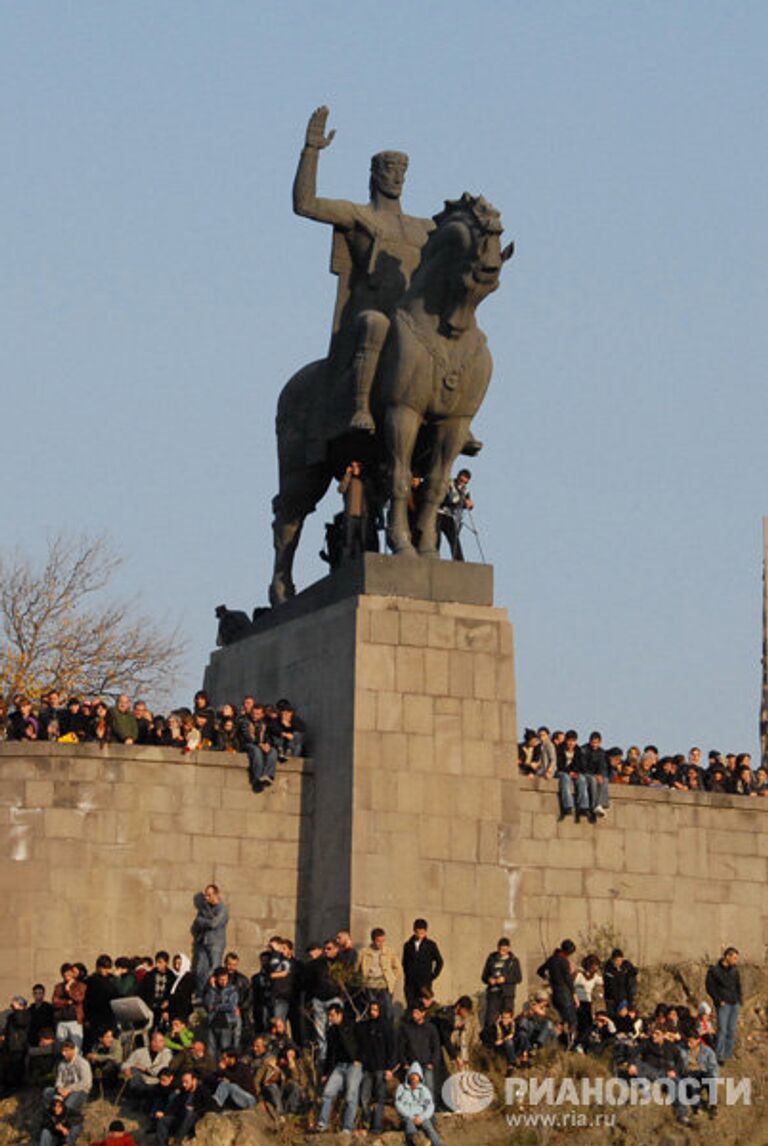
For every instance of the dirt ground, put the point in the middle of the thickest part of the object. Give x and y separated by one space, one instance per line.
745 1124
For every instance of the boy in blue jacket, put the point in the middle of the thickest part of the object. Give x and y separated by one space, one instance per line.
414 1104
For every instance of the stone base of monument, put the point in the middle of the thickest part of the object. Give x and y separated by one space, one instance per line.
403 671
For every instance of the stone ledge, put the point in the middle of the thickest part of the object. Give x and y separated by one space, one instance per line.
626 793
379 574
142 753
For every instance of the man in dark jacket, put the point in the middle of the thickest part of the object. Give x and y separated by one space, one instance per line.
321 989
234 1082
619 982
156 987
559 973
422 961
342 1071
501 975
573 791
597 773
185 1109
376 1038
723 984
100 990
655 1058
418 1041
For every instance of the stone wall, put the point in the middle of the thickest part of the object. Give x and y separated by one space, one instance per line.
410 700
103 849
676 875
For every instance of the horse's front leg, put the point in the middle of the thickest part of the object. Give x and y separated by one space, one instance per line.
401 428
450 436
299 493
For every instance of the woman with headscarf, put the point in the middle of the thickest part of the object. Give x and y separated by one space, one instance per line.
180 1003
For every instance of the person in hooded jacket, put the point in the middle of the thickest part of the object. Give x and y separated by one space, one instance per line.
182 989
416 1107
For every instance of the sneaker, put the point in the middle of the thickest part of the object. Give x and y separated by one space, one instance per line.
564 815
600 811
268 780
578 816
592 817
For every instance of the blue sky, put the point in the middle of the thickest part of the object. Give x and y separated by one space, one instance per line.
157 291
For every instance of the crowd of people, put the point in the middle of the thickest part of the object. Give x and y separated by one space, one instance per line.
268 734
673 1042
176 1039
585 772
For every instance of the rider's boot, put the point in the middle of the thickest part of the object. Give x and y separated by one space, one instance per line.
363 369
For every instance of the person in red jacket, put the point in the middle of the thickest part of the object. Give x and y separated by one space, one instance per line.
116 1136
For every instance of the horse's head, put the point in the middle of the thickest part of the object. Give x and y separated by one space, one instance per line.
462 262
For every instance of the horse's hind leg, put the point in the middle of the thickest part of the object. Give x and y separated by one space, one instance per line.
401 427
450 436
299 493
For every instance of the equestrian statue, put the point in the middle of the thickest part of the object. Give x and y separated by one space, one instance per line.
407 367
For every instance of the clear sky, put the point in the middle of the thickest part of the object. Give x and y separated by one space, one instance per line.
156 291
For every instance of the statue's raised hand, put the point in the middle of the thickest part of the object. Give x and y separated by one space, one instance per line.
316 136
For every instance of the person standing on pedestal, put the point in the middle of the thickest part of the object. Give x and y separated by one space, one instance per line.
422 961
352 487
209 932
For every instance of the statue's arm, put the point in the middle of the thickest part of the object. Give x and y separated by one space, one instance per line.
306 202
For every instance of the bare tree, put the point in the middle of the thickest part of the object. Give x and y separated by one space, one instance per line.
57 629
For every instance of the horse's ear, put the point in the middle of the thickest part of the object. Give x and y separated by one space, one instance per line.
508 252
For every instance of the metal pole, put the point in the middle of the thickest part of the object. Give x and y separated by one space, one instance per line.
764 697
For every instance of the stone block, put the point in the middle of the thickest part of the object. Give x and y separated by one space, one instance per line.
441 632
376 667
394 751
448 743
420 753
461 667
195 820
637 851
230 822
409 669
414 629
385 627
389 712
436 672
569 881
418 715
488 842
63 823
38 793
365 710
459 887
485 670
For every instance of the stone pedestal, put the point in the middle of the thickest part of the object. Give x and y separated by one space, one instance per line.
407 688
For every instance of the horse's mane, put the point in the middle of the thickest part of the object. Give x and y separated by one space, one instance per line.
482 213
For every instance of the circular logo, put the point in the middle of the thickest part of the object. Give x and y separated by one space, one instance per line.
468 1092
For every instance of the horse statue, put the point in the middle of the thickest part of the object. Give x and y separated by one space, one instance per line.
430 380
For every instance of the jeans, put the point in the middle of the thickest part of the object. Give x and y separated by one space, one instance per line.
239 1097
223 1038
426 1127
261 765
205 960
727 1019
180 1128
47 1139
374 1092
70 1029
73 1103
280 1008
346 1077
598 793
320 1022
566 788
